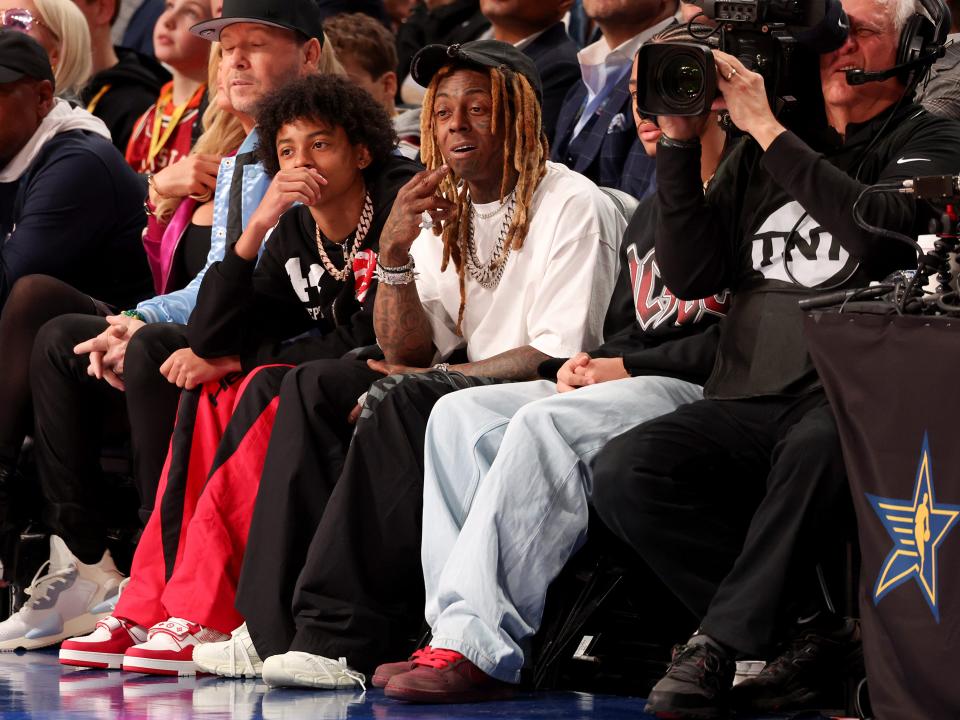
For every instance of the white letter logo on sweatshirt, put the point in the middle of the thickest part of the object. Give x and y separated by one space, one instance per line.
299 283
815 256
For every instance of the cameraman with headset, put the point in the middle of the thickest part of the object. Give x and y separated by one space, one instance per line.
734 499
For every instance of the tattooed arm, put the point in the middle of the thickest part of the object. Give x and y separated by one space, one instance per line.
402 327
518 364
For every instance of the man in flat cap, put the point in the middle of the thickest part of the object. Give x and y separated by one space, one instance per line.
514 265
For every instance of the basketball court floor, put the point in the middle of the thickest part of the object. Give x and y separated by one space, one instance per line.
35 685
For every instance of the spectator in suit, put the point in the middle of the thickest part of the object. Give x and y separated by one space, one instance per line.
537 29
596 134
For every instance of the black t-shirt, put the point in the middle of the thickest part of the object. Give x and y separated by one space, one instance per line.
76 214
286 307
735 236
191 255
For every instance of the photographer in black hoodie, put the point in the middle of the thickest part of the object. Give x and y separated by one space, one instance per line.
733 499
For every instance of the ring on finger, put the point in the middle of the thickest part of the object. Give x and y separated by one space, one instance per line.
733 71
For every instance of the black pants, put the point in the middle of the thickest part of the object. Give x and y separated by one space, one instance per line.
71 410
732 503
307 449
342 527
33 301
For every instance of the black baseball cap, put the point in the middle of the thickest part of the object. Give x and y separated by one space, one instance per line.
480 54
22 56
300 15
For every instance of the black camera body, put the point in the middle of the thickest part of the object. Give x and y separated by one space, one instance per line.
681 78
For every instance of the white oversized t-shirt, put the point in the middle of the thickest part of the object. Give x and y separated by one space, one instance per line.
554 291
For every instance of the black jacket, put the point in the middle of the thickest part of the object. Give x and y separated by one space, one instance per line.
555 56
134 85
285 308
76 214
735 237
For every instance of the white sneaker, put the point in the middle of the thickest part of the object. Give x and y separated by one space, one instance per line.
300 669
236 657
67 601
169 648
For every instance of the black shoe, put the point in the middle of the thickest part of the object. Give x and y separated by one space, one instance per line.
697 684
814 663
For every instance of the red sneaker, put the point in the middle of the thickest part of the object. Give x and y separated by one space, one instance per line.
105 646
169 648
383 673
446 676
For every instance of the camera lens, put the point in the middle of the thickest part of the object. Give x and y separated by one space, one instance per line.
677 79
681 80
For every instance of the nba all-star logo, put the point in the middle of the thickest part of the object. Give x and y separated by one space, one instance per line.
918 527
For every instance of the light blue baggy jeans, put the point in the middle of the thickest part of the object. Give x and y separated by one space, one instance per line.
506 485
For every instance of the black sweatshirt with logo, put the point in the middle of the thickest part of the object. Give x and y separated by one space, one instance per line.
285 307
650 328
736 235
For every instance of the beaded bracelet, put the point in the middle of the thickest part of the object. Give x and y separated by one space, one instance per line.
135 314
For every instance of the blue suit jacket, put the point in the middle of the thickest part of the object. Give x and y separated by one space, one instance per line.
611 154
555 56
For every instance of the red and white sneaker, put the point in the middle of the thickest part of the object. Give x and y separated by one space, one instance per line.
105 646
169 648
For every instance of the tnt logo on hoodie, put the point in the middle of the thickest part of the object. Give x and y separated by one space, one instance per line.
815 257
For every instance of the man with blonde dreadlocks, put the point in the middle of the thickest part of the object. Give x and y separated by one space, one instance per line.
515 260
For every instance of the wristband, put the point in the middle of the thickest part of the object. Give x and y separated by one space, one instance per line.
135 314
387 276
400 269
669 142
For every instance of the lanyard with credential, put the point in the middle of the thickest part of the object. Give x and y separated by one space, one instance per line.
600 99
161 135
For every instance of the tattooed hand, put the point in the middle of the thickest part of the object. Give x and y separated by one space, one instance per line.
418 196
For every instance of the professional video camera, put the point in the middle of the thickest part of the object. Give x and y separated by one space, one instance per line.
680 78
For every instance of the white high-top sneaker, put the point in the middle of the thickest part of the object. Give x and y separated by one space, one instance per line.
67 601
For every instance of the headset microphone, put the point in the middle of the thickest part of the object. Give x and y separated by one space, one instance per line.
860 77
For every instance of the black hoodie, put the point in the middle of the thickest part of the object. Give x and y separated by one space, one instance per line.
285 308
134 85
736 236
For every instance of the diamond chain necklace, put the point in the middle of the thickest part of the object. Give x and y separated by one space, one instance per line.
366 217
489 274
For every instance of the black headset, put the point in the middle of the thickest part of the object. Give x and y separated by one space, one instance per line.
921 43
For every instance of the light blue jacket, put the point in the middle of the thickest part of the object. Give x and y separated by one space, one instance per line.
177 306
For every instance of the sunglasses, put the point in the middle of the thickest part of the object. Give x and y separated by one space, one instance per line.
22 20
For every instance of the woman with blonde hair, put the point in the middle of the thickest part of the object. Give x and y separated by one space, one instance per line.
180 195
59 26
